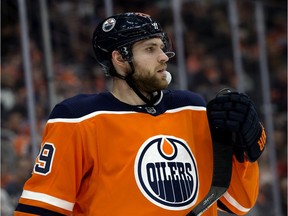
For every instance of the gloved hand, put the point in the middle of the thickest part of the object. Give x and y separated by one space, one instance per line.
233 120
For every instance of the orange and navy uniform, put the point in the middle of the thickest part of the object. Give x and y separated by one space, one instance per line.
100 156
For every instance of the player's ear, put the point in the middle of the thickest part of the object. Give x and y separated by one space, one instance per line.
117 57
120 65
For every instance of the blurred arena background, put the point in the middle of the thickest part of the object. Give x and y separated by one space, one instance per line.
46 56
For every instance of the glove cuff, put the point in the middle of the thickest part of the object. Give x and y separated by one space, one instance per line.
254 150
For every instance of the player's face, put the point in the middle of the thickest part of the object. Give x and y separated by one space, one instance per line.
150 65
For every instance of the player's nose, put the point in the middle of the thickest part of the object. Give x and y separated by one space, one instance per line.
165 56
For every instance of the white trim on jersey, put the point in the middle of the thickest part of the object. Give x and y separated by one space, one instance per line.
47 199
233 202
195 108
75 120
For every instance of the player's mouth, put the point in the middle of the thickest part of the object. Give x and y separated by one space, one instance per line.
161 70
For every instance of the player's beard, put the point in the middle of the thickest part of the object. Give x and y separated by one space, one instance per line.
148 82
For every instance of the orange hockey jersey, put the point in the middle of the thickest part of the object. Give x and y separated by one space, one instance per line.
102 157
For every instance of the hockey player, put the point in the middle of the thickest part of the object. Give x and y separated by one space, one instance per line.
140 149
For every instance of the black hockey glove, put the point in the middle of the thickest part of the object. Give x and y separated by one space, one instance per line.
233 120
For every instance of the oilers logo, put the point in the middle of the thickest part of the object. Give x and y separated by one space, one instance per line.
166 172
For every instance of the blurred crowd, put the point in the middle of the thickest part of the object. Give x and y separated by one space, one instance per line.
209 65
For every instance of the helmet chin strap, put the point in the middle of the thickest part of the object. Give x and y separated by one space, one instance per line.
155 96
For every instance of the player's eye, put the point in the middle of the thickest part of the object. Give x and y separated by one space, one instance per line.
150 49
